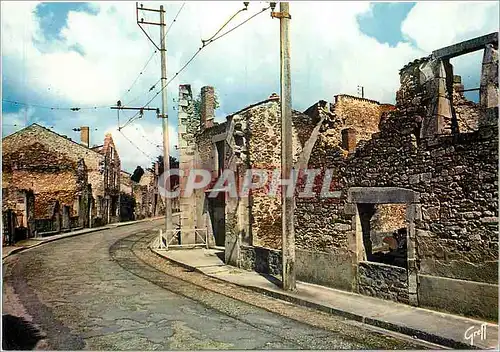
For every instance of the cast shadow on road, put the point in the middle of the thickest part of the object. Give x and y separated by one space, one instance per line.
18 333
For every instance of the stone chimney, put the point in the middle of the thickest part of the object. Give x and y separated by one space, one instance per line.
207 107
349 139
85 136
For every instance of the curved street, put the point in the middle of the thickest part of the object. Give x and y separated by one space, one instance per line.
107 291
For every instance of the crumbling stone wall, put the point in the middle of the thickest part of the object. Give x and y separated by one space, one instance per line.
466 111
455 176
188 126
383 281
207 158
95 160
51 176
206 149
359 113
261 260
264 152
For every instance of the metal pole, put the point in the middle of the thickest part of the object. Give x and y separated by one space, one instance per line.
164 116
288 244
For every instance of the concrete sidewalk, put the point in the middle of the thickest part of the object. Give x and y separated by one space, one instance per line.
33 242
440 328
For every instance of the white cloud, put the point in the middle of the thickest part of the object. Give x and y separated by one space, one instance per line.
433 25
330 55
141 143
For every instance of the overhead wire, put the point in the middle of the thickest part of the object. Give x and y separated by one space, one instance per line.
149 141
175 19
130 120
205 43
54 107
151 57
141 72
136 147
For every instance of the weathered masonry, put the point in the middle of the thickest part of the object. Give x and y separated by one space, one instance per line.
415 219
54 183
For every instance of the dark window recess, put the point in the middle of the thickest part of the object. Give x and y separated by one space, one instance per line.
384 233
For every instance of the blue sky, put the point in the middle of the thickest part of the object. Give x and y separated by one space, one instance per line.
88 54
384 21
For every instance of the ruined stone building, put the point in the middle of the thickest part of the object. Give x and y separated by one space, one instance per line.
146 196
54 183
413 216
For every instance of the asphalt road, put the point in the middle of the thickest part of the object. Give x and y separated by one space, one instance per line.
107 291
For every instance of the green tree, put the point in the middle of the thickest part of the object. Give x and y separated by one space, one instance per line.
174 164
197 104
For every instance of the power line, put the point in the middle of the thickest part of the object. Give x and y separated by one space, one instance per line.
205 43
242 23
53 107
141 72
136 147
227 22
153 54
141 95
175 19
149 141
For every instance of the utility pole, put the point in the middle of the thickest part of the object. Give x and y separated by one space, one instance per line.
164 109
288 240
164 120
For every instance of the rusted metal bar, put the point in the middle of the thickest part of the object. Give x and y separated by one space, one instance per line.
469 90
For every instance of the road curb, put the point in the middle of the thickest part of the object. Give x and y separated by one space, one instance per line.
414 333
102 228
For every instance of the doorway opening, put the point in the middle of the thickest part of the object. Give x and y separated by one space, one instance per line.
217 211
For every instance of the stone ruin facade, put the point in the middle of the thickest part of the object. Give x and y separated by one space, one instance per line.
64 184
416 217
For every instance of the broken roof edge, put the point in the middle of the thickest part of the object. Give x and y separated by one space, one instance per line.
34 124
207 130
357 98
252 106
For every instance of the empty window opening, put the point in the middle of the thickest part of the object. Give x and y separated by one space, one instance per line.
384 229
464 81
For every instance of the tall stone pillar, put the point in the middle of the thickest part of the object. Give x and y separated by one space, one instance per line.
188 126
488 97
439 114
